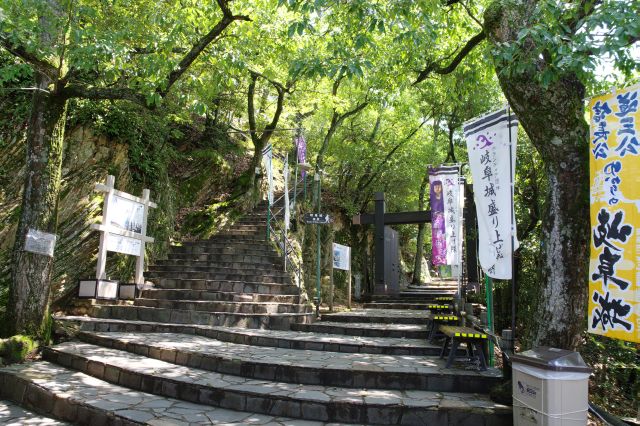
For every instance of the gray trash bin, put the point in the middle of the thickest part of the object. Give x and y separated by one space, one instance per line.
550 388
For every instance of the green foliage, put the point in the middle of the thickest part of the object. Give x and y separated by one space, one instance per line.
562 38
145 134
616 378
17 348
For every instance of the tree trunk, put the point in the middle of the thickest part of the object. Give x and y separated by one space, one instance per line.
31 274
553 117
417 269
451 154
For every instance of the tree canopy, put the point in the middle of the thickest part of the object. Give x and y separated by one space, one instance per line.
380 90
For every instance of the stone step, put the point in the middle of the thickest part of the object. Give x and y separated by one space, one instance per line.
421 299
84 399
257 222
280 321
257 239
223 248
320 403
225 306
224 241
279 278
240 269
69 325
302 367
14 415
396 305
254 234
225 261
239 286
168 294
228 255
365 329
387 316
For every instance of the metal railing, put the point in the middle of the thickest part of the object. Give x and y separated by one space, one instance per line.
277 233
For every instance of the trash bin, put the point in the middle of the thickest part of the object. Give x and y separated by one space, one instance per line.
550 388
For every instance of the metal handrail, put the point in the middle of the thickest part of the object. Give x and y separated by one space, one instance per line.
278 236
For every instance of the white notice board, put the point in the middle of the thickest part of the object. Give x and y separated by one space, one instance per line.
341 257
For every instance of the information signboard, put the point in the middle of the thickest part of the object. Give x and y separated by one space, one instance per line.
341 257
316 219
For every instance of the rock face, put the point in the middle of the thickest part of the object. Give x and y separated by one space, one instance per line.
89 158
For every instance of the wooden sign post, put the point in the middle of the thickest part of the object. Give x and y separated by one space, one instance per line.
124 226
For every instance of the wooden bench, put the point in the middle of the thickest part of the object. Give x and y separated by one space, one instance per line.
474 339
434 321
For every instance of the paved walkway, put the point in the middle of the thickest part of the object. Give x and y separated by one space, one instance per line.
115 361
14 415
379 313
270 356
117 401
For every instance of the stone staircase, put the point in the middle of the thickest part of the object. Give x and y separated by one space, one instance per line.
233 279
414 296
226 338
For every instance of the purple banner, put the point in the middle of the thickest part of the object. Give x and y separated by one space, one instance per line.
438 237
301 149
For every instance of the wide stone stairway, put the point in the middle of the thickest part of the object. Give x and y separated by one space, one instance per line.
224 337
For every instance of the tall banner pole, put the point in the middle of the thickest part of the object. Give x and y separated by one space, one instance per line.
489 298
513 257
319 251
349 283
331 288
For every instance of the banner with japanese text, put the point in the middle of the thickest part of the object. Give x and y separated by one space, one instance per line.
267 160
301 151
491 144
287 211
614 270
444 197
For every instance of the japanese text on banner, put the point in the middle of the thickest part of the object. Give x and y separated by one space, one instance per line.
491 144
614 160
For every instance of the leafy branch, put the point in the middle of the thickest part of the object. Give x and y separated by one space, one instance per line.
436 67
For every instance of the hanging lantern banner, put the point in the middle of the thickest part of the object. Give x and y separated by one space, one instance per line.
443 199
489 141
301 150
267 158
614 270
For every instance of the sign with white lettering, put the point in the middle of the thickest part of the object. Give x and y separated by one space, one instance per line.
316 219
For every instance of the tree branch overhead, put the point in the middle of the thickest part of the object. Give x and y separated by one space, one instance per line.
435 67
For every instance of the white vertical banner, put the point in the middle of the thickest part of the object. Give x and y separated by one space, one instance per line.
452 216
267 159
491 143
456 268
287 213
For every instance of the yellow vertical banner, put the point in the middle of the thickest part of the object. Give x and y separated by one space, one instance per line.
614 266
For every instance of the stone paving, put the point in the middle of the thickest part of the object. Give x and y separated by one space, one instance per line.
260 337
395 314
270 356
259 395
14 415
109 402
